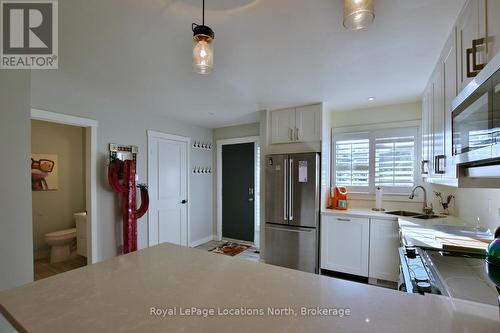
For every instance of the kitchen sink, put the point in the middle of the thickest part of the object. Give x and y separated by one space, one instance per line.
427 217
403 213
414 215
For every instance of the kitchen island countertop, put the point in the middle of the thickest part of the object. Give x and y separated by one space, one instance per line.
131 293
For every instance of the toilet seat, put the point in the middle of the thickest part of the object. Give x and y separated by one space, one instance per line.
62 234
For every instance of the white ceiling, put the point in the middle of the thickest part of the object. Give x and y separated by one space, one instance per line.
268 54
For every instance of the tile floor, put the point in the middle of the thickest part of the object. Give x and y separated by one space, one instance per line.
44 269
248 254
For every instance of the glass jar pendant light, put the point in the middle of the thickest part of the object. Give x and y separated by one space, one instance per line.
358 14
203 48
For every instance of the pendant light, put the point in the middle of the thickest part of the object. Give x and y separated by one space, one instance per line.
358 14
203 48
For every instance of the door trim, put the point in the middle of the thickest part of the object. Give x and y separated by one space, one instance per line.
220 143
90 125
154 134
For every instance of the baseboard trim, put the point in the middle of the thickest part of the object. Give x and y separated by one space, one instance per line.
202 241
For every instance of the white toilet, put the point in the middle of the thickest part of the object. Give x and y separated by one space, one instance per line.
60 242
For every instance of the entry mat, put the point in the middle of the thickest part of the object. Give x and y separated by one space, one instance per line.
229 249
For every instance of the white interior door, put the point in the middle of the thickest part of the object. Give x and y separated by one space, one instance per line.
168 189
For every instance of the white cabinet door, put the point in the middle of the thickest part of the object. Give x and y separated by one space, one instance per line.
384 255
471 25
449 59
493 7
437 121
345 244
308 123
282 125
427 104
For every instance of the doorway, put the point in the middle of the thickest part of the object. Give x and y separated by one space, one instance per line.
168 181
238 190
63 174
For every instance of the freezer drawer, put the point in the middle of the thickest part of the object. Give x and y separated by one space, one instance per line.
292 247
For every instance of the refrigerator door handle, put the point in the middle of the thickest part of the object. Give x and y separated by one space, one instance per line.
285 179
290 194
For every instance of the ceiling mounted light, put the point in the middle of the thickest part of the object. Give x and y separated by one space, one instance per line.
371 99
358 14
203 49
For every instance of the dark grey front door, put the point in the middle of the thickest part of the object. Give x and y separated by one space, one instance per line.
238 191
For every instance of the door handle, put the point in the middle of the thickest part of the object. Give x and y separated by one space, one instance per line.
184 202
290 195
291 134
285 179
467 63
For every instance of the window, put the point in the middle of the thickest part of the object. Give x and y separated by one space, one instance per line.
385 158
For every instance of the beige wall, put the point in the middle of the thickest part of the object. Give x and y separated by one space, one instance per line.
380 114
16 244
53 210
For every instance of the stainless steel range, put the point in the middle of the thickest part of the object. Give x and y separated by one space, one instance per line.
460 276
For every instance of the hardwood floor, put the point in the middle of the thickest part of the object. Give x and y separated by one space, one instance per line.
248 254
44 269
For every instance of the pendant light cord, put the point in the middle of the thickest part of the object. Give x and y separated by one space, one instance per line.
203 14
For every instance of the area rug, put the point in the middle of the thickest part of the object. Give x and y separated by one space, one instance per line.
229 249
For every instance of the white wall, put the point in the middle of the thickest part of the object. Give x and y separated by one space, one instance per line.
16 242
119 124
53 210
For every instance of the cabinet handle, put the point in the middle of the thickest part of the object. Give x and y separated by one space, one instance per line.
291 134
472 53
343 219
437 164
475 43
469 72
297 137
424 167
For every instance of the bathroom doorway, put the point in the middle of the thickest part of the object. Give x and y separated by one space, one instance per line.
63 152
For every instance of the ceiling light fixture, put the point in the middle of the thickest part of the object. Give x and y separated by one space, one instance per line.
203 49
371 98
358 14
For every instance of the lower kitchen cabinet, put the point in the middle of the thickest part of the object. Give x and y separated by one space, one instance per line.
384 244
345 244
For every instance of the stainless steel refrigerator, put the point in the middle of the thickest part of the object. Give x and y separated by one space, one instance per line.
292 211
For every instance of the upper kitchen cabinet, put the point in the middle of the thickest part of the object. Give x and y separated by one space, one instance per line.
437 147
427 104
295 125
283 126
450 91
308 123
493 27
471 32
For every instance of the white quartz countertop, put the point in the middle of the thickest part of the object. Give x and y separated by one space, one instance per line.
427 233
360 212
119 295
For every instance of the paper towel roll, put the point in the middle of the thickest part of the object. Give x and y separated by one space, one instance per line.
379 192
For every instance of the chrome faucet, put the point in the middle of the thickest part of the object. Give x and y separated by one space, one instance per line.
427 209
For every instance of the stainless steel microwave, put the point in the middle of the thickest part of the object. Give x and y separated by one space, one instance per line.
476 119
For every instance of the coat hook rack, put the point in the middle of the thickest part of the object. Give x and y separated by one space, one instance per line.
202 145
202 170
